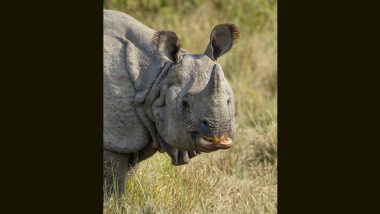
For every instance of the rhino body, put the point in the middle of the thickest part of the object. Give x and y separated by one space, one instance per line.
158 97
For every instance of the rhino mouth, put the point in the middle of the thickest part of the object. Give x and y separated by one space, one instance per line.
202 143
211 143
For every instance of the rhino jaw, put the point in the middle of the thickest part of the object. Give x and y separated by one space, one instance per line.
178 157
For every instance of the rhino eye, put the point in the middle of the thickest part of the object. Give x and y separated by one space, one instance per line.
185 104
229 101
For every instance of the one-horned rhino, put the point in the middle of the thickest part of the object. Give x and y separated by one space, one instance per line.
158 97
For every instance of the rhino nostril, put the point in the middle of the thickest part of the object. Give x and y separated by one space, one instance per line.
204 123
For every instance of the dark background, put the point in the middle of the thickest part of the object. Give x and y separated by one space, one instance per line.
51 91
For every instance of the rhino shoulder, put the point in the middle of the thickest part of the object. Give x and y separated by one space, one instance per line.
127 64
125 27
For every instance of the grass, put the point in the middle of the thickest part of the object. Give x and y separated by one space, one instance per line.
242 179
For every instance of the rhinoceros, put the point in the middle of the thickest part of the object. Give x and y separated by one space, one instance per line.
158 97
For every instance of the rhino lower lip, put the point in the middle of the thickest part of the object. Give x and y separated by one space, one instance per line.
220 140
206 144
210 143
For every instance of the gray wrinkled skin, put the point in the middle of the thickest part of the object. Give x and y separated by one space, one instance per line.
159 98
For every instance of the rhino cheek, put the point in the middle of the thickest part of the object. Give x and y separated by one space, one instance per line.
176 131
177 135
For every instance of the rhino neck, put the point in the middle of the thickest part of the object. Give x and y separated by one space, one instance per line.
143 104
154 91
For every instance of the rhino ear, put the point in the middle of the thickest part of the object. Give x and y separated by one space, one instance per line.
221 40
167 44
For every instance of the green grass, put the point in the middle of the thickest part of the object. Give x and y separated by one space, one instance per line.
242 179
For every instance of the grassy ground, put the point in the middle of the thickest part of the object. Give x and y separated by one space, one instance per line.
242 179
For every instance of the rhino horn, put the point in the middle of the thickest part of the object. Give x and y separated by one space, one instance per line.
214 84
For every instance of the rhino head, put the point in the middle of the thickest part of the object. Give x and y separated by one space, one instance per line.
192 106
